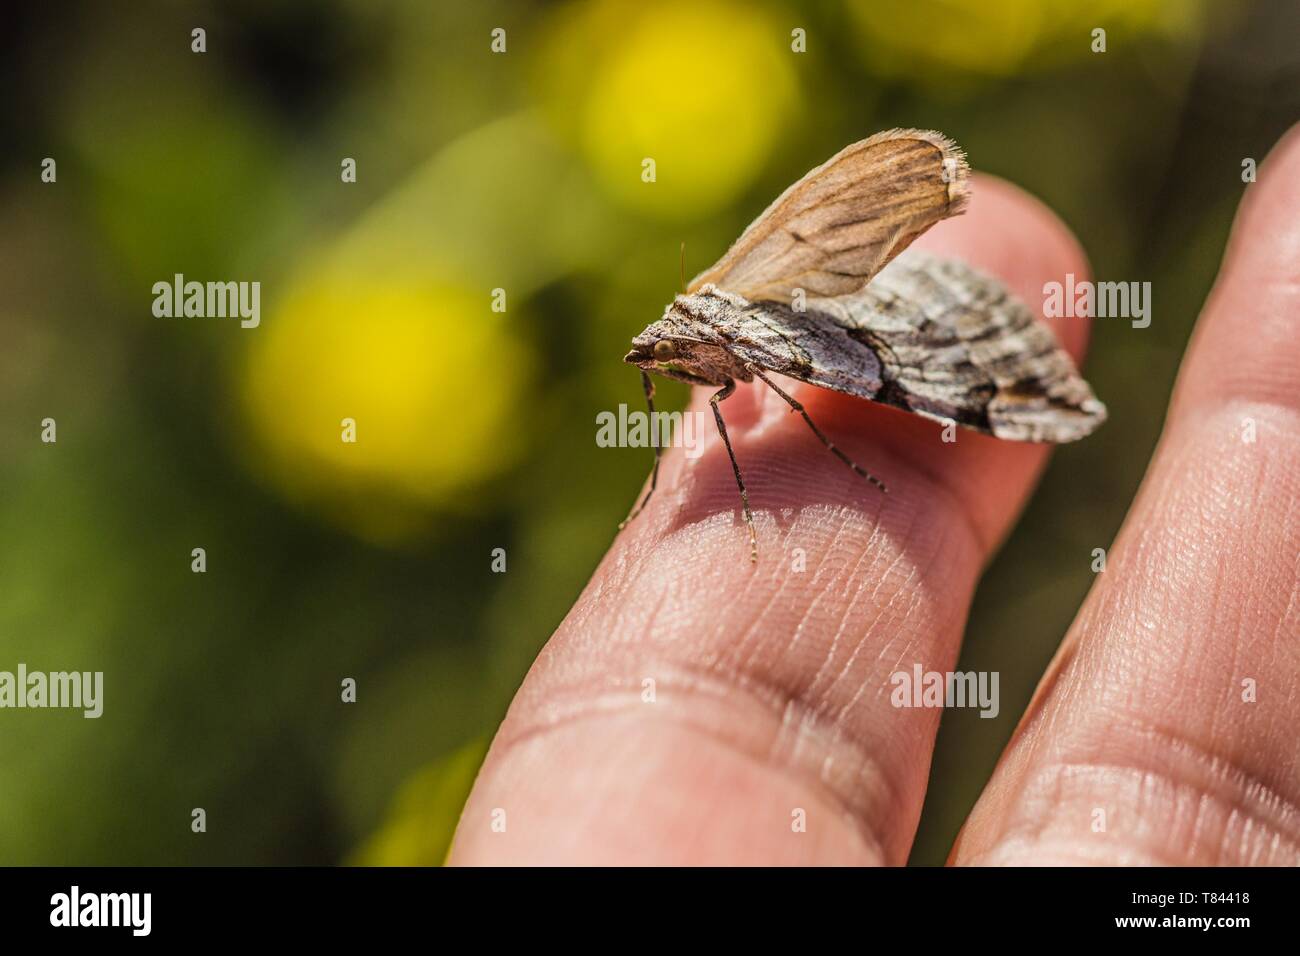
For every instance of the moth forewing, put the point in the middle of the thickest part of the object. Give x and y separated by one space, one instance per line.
835 228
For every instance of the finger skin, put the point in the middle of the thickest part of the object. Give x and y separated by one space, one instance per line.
770 737
1141 721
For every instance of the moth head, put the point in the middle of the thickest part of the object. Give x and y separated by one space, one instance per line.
643 346
656 347
691 342
667 349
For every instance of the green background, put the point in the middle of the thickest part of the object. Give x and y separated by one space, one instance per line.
477 171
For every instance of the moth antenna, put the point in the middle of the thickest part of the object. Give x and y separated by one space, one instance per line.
682 263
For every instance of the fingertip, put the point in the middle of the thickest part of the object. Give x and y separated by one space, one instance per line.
1244 348
1265 243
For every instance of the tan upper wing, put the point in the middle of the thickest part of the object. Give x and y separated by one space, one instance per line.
839 225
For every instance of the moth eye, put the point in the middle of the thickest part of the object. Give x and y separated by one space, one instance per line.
665 351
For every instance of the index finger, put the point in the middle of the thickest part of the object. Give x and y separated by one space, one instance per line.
693 708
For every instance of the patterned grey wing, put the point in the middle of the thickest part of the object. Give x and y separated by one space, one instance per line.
952 343
809 346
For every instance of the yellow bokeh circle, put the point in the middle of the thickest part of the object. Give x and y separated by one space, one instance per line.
431 378
702 89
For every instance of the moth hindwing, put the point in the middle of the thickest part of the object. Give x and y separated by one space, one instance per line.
816 289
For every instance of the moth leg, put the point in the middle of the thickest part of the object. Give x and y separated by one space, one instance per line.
722 395
649 387
795 406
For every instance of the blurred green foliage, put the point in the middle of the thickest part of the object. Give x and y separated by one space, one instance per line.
479 171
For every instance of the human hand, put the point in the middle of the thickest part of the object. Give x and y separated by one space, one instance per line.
772 689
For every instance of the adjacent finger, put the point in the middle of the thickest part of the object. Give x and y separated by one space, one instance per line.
1165 730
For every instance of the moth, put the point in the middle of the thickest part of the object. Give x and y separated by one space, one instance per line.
816 289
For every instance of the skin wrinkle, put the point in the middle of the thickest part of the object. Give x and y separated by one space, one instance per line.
1040 819
857 802
1250 796
743 643
854 573
914 648
890 619
872 599
707 732
801 721
755 621
880 688
847 667
813 692
871 631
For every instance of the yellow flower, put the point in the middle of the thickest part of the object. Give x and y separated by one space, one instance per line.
430 377
422 821
700 89
930 41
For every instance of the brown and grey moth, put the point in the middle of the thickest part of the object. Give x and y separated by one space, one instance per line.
812 290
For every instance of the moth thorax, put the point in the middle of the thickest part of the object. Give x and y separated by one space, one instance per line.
709 305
